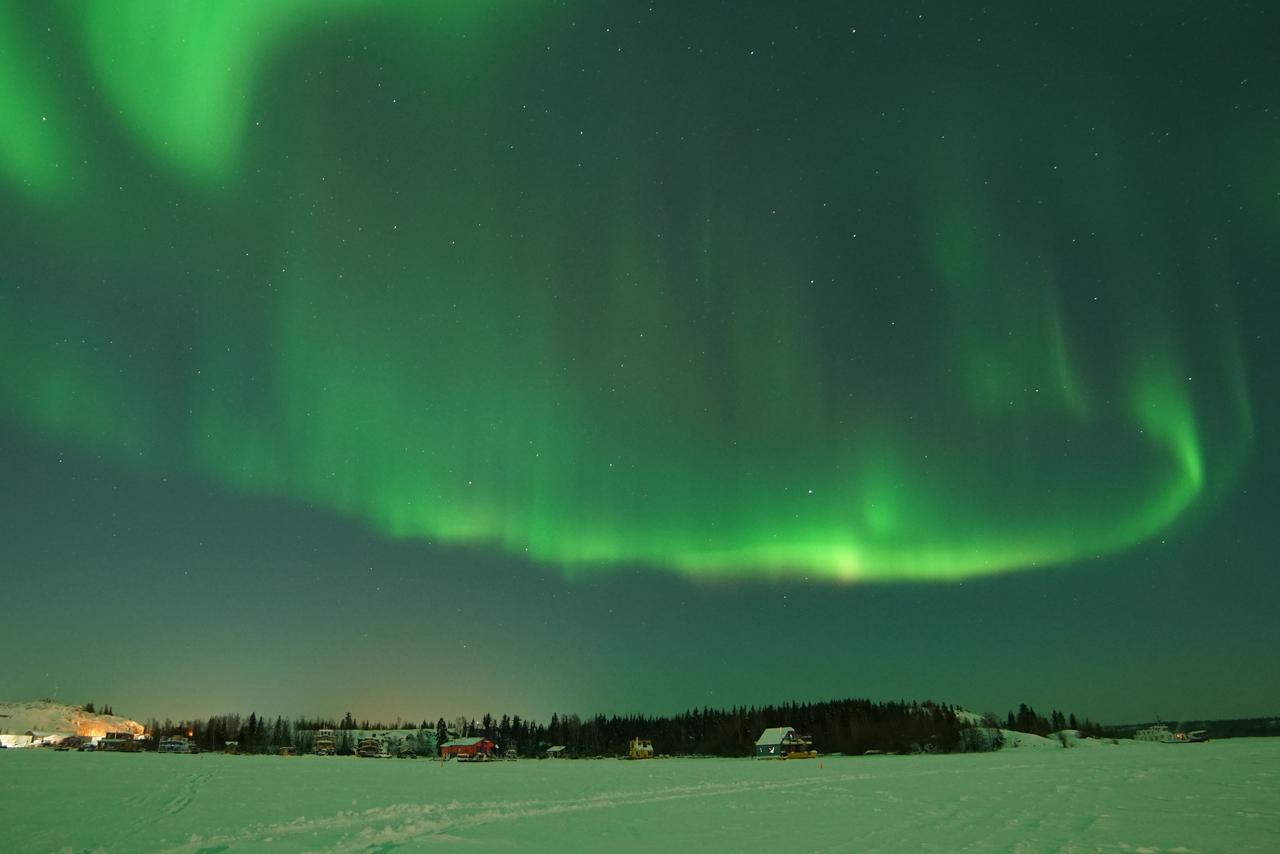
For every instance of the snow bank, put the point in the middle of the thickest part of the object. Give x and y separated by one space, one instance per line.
1219 796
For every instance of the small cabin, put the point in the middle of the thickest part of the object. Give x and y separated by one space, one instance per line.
783 742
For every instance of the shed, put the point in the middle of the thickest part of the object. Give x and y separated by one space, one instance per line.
769 744
782 742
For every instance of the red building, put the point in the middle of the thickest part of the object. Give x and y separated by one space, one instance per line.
467 747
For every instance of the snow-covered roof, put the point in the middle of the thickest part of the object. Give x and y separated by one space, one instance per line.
464 742
774 735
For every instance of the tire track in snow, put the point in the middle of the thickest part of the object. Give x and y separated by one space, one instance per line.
169 806
384 827
186 795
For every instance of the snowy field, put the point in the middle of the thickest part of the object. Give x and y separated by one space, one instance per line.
1221 796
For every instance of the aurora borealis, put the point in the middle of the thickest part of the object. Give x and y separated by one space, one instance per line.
735 295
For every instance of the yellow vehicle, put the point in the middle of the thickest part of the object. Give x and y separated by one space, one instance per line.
641 748
798 747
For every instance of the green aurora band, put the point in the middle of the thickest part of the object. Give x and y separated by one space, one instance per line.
602 290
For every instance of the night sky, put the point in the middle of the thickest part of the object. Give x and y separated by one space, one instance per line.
435 358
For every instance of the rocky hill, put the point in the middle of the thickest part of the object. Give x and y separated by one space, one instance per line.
48 716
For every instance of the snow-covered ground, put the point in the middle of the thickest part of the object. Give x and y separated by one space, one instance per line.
1221 796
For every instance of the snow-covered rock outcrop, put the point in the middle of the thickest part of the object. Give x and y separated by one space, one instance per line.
47 716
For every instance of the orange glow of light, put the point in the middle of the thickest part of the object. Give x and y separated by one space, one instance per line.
90 728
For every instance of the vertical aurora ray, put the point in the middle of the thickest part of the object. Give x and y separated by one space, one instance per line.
36 152
183 74
764 326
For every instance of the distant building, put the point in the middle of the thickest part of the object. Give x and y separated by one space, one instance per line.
557 752
372 747
123 742
325 744
783 742
467 747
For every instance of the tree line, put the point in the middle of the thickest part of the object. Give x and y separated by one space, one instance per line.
850 726
1026 720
